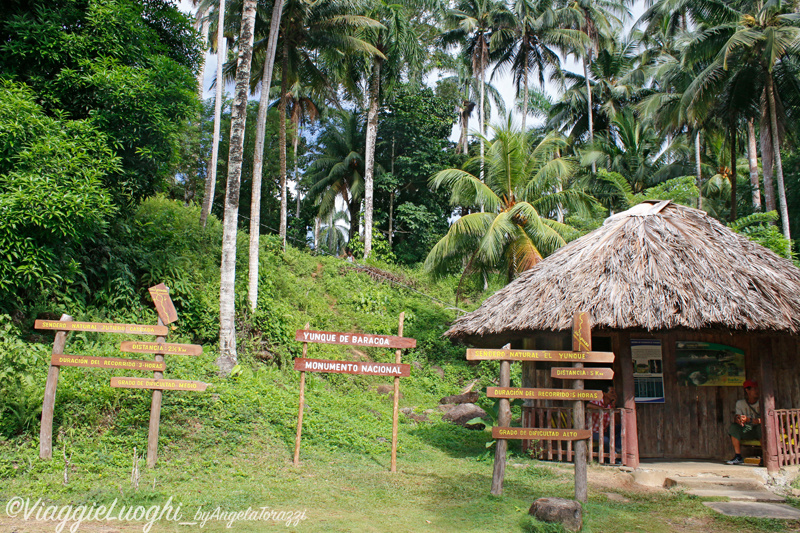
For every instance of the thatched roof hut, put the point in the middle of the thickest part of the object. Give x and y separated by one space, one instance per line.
656 266
668 277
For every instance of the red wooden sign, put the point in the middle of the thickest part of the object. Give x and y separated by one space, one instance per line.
105 362
540 434
354 339
101 327
161 348
485 354
163 384
581 373
164 306
543 394
352 367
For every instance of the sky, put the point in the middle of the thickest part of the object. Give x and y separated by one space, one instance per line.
502 81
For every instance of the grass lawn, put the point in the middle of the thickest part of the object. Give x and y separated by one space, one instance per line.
442 485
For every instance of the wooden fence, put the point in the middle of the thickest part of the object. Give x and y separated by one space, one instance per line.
787 429
603 448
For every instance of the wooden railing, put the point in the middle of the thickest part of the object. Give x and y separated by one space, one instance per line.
787 429
561 418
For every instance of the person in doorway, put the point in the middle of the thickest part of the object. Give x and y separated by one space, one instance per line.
746 421
596 419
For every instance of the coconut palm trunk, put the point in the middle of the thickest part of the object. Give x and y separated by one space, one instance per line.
733 170
752 160
282 140
587 59
227 310
211 176
525 87
295 143
369 155
776 150
767 166
698 169
258 157
201 25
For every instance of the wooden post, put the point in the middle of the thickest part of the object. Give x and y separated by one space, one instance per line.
398 358
503 420
155 410
49 403
769 436
581 342
300 409
631 436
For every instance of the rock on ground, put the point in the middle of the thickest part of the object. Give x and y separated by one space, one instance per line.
569 513
463 413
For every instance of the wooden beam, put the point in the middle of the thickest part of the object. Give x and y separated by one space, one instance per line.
581 342
49 403
503 420
155 409
769 433
621 344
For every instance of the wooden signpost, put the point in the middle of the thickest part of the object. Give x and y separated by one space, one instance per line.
396 369
105 362
581 353
544 394
167 314
101 327
157 384
541 434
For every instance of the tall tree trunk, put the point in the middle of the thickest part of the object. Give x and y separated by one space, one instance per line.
282 140
369 156
525 85
767 162
481 112
752 160
354 208
465 130
587 59
211 177
698 169
295 143
316 234
258 157
201 25
776 149
227 310
391 197
733 170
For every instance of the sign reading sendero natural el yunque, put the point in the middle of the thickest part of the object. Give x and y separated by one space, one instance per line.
581 345
396 369
167 314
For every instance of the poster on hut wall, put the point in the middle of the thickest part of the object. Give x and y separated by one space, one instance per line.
703 364
648 370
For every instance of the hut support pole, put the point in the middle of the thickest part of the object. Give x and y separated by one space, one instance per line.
622 349
503 420
581 342
769 434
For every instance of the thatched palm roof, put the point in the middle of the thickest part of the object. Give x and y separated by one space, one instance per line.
656 266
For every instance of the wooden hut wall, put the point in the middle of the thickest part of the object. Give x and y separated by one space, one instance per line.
786 369
692 422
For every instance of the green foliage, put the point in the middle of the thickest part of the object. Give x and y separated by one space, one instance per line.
21 381
52 197
681 190
380 247
125 66
760 228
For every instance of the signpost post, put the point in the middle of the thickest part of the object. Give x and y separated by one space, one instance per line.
396 369
167 314
582 353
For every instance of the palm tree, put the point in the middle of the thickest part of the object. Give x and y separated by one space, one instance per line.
472 25
211 177
761 38
227 309
637 152
532 44
598 20
524 186
334 232
337 173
